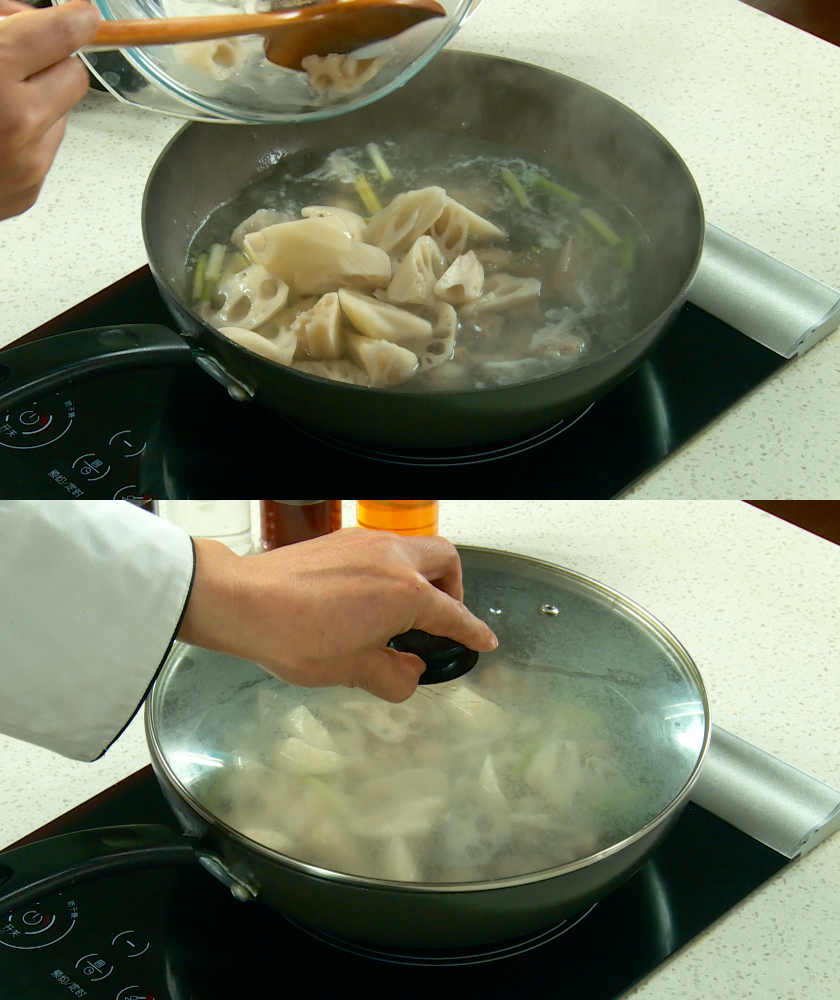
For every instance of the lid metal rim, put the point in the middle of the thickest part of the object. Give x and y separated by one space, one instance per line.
366 882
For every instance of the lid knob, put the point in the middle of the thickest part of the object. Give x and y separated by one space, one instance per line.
445 659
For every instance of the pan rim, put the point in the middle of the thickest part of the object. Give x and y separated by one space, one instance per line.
162 765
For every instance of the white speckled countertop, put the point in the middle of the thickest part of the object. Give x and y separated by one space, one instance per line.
753 599
751 103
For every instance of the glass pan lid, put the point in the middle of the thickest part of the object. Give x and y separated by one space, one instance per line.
584 727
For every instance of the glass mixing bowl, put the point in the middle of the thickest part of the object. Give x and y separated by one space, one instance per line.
232 81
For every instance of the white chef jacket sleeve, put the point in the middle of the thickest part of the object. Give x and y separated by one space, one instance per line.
92 593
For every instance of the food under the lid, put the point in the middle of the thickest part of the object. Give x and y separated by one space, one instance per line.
504 772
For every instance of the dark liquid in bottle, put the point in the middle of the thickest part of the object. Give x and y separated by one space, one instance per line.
283 522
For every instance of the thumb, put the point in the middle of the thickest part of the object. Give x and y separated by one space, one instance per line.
389 674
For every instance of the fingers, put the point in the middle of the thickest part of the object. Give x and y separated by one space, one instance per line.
441 615
437 560
437 606
39 85
390 675
22 175
30 41
53 92
443 612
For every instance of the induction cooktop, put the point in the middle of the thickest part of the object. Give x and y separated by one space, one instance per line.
178 934
178 434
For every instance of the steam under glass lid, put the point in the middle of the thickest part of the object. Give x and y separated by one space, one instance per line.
577 733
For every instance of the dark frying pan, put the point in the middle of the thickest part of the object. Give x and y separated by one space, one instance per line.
531 111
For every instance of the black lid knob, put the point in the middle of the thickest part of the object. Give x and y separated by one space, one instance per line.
445 659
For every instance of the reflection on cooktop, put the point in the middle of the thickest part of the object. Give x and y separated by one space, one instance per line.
448 458
455 956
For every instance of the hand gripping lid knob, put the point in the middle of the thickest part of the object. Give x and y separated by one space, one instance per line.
445 659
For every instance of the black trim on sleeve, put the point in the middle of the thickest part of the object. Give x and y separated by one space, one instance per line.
162 661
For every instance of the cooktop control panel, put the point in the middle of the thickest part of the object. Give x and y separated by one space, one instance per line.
58 949
85 441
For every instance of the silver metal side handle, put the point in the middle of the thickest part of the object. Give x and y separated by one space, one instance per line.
772 801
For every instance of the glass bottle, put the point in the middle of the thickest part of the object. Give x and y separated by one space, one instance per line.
403 517
227 521
283 522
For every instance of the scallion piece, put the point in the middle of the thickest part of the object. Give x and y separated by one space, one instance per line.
367 194
215 262
198 276
512 181
375 153
627 253
555 189
601 226
327 792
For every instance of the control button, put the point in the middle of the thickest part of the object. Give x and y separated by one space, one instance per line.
132 494
32 418
128 941
38 928
127 444
90 467
135 993
37 424
95 967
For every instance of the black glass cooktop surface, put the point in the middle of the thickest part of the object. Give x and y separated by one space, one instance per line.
178 934
179 434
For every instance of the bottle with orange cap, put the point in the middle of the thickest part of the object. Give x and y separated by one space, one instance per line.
403 517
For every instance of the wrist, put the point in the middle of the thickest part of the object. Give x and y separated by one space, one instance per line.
212 610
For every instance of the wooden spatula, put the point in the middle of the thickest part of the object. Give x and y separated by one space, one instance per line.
290 35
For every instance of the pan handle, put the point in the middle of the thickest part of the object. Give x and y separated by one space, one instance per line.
74 857
31 370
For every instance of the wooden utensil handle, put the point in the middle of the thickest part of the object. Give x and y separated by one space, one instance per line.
169 30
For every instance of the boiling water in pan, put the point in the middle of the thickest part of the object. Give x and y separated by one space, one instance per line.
594 263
